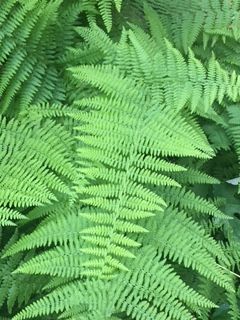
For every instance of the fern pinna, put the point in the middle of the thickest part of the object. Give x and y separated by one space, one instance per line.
119 129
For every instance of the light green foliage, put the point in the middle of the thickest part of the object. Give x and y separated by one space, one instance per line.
105 8
15 289
127 292
212 19
119 128
35 163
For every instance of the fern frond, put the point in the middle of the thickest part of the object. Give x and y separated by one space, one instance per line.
105 8
7 215
165 68
108 196
149 281
30 156
35 34
194 176
188 200
65 229
21 35
218 18
234 311
16 290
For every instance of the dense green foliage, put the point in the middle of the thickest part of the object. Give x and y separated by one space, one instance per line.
119 127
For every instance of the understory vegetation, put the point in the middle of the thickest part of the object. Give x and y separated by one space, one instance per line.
119 133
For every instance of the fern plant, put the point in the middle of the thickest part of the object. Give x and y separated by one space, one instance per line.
119 130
